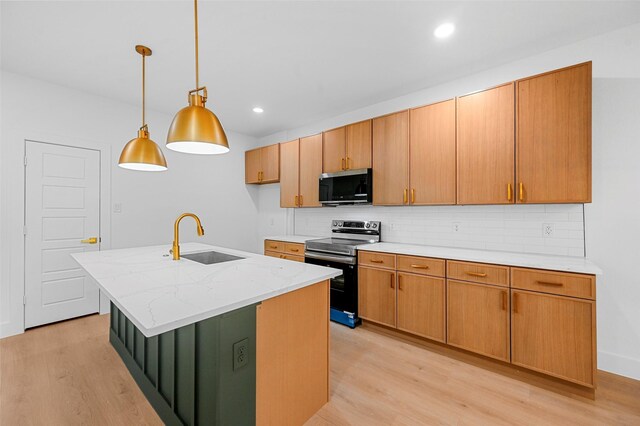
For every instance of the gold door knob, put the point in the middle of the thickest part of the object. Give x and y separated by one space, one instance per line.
92 240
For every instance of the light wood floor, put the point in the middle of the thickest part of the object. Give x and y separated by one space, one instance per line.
67 374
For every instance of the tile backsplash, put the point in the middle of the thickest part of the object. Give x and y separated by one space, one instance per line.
556 229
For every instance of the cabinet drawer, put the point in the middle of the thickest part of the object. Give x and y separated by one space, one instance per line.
421 265
270 245
272 253
561 283
478 272
295 249
293 257
378 260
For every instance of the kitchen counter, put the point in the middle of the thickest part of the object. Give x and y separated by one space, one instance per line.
158 294
300 239
555 263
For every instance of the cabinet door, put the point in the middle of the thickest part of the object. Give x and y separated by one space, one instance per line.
421 302
252 166
554 136
391 159
478 318
432 154
359 145
377 295
289 177
333 150
310 170
554 335
486 146
270 161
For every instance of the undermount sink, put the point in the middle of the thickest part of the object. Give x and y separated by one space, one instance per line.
211 257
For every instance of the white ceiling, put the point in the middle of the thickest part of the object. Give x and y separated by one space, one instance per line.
300 61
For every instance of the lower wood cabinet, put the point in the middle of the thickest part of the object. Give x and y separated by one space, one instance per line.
478 318
554 335
377 295
284 250
421 305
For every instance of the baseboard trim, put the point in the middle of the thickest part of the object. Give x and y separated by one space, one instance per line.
619 364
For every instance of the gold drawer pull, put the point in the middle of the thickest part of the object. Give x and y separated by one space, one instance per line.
273 247
476 274
376 261
549 283
295 250
420 266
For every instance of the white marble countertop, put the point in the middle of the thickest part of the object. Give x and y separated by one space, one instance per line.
301 239
159 294
538 261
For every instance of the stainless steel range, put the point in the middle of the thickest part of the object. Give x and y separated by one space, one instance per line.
340 252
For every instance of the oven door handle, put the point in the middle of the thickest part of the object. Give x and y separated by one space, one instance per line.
339 259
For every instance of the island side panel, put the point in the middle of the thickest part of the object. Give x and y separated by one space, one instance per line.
188 374
292 381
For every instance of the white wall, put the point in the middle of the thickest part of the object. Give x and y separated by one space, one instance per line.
611 221
212 187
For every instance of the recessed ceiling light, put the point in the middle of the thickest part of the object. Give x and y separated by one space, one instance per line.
444 30
258 110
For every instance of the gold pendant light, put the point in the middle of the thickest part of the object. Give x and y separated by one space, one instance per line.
195 129
142 153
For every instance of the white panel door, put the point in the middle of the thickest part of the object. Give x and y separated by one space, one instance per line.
62 209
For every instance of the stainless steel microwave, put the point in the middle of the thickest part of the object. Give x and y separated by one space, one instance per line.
346 187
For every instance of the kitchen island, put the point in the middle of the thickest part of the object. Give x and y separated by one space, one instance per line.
243 341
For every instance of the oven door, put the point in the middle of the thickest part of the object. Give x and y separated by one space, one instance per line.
344 288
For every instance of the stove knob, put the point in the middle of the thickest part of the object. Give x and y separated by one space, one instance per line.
368 225
335 223
375 225
339 223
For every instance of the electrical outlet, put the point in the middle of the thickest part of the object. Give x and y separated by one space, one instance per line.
457 226
547 229
240 354
117 208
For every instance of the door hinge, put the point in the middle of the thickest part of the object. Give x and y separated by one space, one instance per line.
25 161
24 230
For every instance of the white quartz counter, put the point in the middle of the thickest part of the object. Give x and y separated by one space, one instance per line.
159 294
300 239
538 261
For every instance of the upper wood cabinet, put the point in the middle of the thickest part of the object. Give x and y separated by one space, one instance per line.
310 170
289 173
478 318
485 164
391 159
554 335
347 148
554 136
432 154
262 165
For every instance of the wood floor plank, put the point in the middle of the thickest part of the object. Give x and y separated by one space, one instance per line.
68 373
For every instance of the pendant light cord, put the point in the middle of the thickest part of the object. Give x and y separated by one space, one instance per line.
195 9
143 92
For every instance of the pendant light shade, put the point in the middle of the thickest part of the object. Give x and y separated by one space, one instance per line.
195 129
142 153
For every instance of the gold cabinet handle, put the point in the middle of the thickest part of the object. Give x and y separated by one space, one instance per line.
344 167
504 300
514 303
549 283
521 190
301 202
376 261
420 266
405 196
392 276
413 195
476 274
509 192
348 160
295 201
92 240
400 282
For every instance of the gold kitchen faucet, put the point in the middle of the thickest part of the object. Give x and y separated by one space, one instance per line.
176 233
